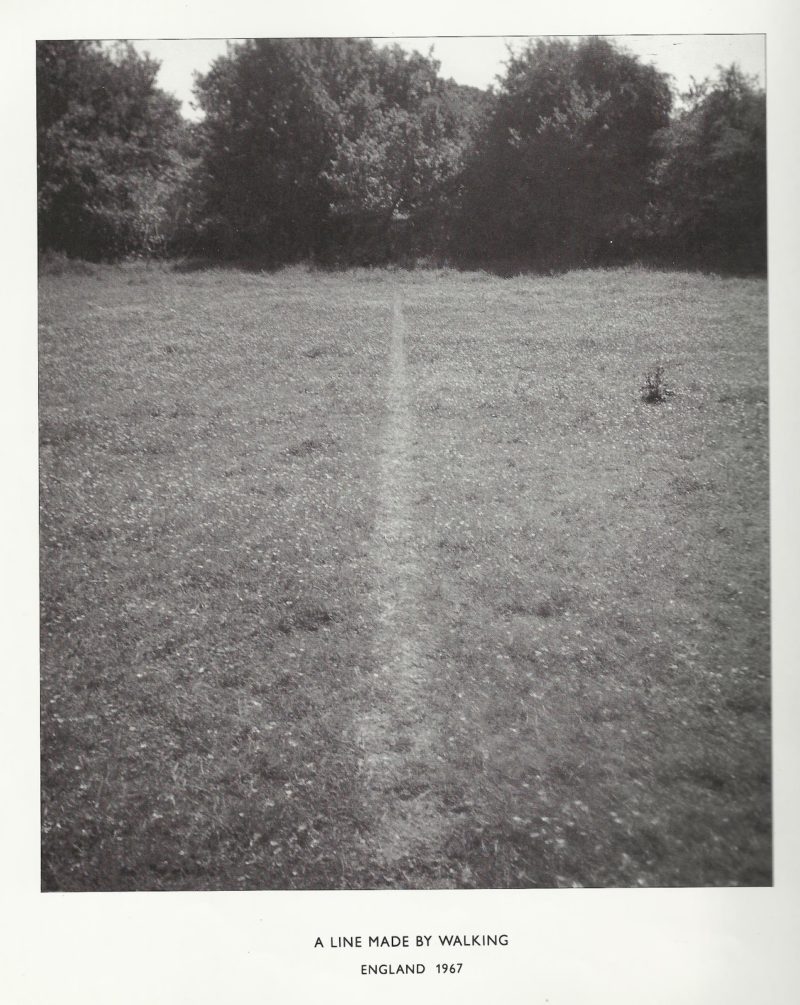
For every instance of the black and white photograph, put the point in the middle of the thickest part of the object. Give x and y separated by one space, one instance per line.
404 463
399 451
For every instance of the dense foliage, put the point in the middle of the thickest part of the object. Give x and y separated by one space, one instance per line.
269 131
339 150
568 153
111 150
320 146
712 176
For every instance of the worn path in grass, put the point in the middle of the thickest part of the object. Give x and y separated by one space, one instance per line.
398 732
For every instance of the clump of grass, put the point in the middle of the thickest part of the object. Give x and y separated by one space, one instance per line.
306 447
654 388
56 263
320 350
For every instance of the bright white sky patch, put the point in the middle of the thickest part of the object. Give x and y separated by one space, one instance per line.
478 60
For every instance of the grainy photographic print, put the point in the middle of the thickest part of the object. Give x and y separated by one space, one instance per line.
404 463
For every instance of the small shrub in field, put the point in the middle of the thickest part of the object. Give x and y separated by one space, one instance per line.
654 388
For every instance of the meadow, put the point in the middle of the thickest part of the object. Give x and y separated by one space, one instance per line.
392 579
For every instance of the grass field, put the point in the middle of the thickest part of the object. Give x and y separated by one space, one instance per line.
392 579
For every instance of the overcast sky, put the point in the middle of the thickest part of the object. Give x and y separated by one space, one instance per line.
477 60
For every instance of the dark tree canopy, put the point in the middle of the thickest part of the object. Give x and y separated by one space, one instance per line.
567 154
343 151
315 143
405 140
711 205
269 132
106 148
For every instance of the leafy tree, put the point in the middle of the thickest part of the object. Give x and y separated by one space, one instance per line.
269 134
566 159
320 147
711 180
107 156
405 137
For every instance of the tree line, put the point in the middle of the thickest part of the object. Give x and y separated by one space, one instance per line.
342 152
